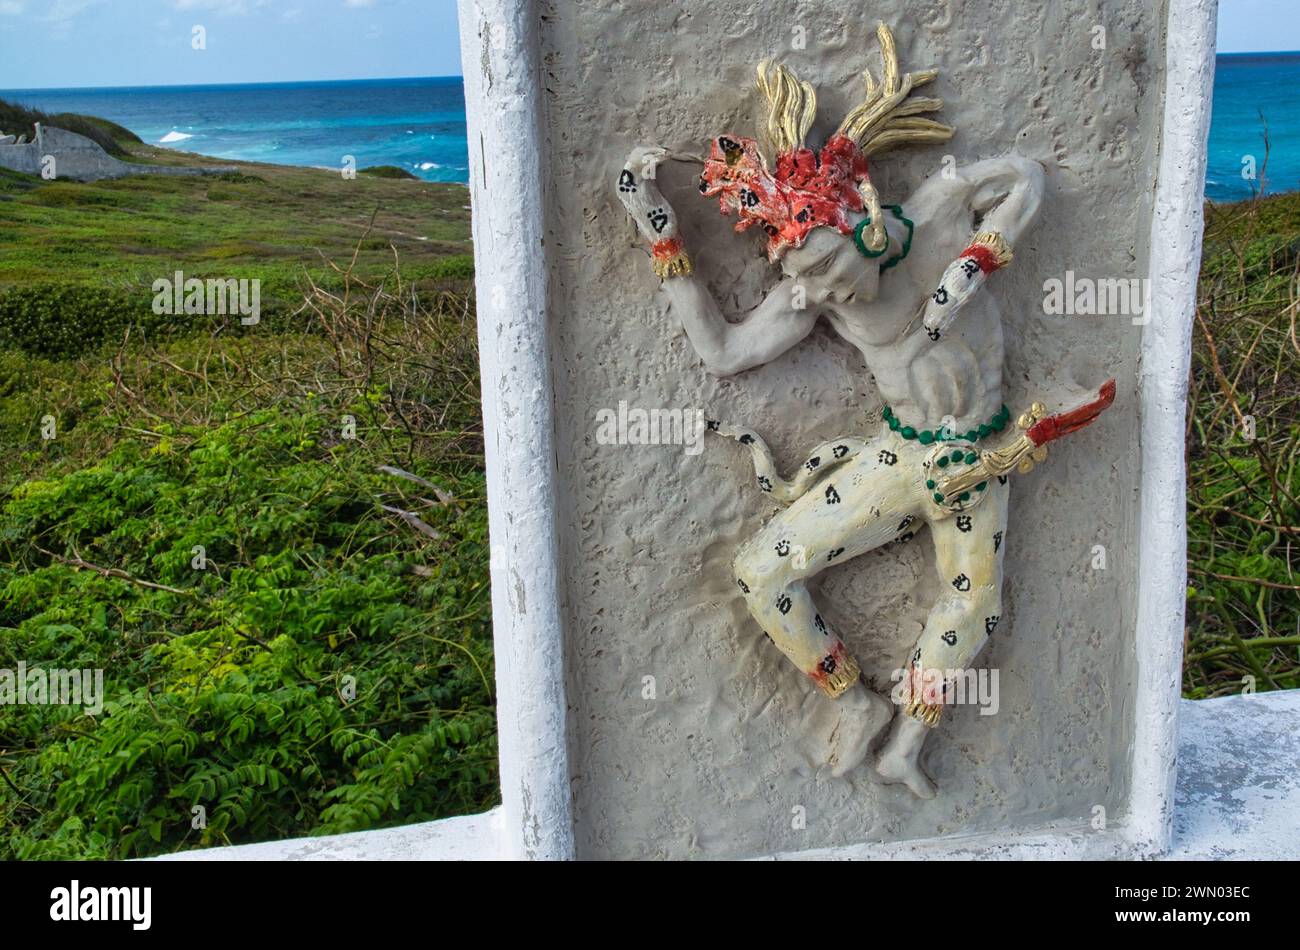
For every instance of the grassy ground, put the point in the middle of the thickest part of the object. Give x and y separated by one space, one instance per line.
255 223
271 538
1243 428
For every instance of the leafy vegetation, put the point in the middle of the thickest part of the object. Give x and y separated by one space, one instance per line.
271 539
1243 428
386 171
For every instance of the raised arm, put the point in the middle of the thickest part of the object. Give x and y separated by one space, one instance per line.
1005 194
767 331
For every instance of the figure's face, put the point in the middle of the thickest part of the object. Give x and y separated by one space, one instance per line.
830 266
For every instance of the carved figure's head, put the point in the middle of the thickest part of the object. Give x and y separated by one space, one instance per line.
820 189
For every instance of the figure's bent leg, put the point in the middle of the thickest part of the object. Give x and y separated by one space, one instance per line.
869 502
968 554
968 550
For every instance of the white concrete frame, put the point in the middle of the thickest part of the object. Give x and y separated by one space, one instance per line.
506 148
500 54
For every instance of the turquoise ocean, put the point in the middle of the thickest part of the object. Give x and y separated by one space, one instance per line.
419 124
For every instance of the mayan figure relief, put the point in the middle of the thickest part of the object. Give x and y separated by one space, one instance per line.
902 281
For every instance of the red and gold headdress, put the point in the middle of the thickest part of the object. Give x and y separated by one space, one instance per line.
811 189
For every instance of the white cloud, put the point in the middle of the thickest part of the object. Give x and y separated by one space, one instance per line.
221 7
11 7
63 12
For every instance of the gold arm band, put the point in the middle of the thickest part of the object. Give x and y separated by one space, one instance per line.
846 674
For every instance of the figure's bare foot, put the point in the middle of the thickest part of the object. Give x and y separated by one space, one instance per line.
842 730
898 760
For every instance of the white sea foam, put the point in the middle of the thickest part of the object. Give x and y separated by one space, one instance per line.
426 166
174 136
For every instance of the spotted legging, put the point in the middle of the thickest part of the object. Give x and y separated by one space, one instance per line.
876 495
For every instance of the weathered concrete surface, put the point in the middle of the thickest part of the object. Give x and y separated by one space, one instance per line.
80 159
1239 778
471 838
713 766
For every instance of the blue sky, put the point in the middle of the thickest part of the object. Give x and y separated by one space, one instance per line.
55 43
59 43
1258 26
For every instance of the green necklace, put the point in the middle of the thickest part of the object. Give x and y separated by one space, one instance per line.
928 436
867 252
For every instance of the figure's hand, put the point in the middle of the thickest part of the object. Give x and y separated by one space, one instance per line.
636 188
963 278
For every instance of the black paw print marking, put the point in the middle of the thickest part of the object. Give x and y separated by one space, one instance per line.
991 623
950 638
887 457
905 523
840 451
658 219
819 623
782 548
961 582
746 439
626 182
941 295
832 496
748 198
828 664
963 523
933 334
832 555
742 585
704 185
812 463
971 267
997 542
728 145
784 603
764 483
1002 479
905 536
713 424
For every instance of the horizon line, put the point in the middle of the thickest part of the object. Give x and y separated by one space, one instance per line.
1258 52
222 85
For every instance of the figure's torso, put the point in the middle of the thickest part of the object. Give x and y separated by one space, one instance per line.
925 380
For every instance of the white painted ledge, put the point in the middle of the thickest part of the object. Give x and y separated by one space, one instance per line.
472 838
1237 798
1238 793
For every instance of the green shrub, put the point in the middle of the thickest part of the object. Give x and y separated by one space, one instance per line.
59 320
386 171
458 266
